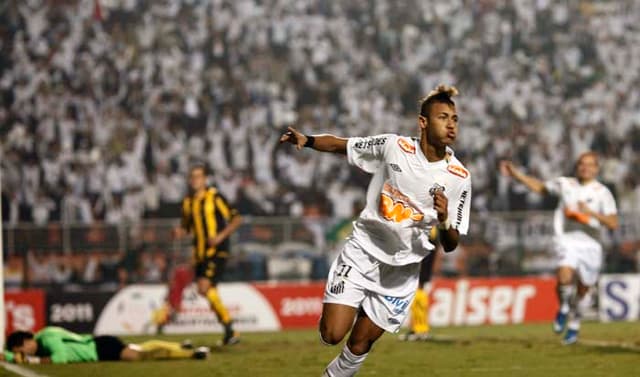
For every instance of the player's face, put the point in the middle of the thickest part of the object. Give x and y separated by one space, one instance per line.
441 124
587 168
29 347
197 179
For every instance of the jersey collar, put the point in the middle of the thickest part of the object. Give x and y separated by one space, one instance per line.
442 163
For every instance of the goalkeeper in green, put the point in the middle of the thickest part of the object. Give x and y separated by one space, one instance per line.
59 346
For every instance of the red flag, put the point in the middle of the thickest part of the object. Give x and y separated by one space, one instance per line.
97 11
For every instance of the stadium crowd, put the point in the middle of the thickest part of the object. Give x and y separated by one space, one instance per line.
104 104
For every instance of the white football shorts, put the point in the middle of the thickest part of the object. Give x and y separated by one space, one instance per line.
580 252
384 292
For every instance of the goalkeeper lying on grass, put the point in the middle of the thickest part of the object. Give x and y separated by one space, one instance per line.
59 346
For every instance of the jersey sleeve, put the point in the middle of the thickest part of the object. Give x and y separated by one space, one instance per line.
224 207
367 153
9 356
608 205
186 214
460 208
554 185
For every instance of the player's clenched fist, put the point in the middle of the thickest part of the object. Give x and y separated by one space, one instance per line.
440 204
294 137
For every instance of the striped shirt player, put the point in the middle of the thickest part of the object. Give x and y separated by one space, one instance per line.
585 208
416 185
208 216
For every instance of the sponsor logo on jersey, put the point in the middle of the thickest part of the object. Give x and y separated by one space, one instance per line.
458 170
397 207
406 146
399 305
337 288
370 142
463 199
395 167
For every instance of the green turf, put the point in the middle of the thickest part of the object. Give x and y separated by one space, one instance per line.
523 350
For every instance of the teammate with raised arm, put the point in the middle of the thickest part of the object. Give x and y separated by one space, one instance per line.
417 184
585 206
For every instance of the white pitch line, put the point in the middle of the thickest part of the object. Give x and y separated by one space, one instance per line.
22 371
605 343
491 369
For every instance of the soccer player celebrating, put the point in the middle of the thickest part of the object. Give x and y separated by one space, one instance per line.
417 184
59 346
206 213
585 205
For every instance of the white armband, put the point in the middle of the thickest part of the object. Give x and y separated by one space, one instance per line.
445 225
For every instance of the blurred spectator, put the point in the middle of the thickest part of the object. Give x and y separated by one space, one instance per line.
13 271
91 109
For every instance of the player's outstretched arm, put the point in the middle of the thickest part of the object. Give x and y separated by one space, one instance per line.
322 143
534 184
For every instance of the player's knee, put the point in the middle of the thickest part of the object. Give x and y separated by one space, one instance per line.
565 276
330 336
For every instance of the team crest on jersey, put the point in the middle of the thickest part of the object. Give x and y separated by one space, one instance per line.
396 206
458 170
406 146
337 288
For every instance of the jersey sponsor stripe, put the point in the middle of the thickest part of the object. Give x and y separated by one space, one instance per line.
459 216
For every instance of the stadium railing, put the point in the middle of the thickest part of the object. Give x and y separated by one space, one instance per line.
277 248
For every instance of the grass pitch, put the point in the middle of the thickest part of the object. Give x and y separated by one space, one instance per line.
520 350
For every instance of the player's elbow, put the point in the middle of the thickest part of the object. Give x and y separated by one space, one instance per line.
540 189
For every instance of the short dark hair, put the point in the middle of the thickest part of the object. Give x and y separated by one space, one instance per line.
442 94
17 338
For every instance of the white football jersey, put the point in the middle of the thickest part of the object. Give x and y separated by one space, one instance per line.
569 191
395 223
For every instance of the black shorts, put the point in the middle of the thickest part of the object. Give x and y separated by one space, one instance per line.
109 347
426 267
211 268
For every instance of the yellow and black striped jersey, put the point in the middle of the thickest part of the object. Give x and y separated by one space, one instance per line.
205 215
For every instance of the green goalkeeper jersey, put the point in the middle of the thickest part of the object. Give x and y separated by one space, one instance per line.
64 346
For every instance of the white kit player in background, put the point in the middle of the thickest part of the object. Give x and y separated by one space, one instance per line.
585 206
417 184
